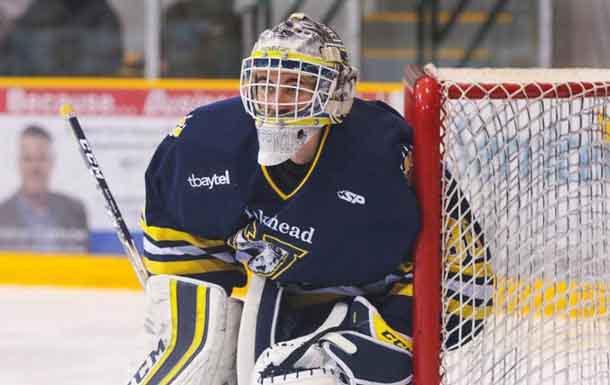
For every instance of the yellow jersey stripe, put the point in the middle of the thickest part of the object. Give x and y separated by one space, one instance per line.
405 289
172 344
481 269
566 299
160 234
197 266
455 307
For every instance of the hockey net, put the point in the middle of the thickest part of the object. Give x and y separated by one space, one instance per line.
529 151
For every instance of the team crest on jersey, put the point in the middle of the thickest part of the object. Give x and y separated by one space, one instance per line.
275 257
265 255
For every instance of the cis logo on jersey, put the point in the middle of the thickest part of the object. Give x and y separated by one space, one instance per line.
351 197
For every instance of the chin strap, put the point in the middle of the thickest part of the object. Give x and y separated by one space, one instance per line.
278 143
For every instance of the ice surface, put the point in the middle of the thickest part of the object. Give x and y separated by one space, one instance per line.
52 336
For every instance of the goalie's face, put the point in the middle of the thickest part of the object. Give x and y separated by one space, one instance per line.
283 94
286 94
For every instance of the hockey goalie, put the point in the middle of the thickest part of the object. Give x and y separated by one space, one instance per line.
279 226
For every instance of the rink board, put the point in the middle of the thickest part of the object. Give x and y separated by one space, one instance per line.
77 271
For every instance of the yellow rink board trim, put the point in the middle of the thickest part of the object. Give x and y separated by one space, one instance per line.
119 83
145 84
87 271
572 300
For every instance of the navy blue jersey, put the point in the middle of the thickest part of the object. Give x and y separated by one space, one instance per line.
353 206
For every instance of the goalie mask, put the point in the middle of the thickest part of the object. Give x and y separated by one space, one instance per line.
296 81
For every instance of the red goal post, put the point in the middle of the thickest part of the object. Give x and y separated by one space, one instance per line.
530 149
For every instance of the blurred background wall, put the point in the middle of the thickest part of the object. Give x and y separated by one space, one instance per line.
582 33
207 38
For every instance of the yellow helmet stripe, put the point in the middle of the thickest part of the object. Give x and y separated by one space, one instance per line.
279 54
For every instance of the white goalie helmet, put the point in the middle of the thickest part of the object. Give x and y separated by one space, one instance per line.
296 81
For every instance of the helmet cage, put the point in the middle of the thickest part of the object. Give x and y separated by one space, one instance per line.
304 100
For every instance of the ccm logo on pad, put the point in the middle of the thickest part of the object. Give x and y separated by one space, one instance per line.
351 197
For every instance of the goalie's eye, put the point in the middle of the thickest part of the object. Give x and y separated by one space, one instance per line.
289 80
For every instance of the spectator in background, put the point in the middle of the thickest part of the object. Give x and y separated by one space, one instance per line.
9 13
34 218
201 38
64 37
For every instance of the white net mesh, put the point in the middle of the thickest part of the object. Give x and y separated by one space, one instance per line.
535 173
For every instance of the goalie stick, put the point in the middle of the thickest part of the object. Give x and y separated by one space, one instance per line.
113 209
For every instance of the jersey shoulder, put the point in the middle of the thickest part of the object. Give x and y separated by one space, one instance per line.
212 136
376 132
216 124
193 179
377 119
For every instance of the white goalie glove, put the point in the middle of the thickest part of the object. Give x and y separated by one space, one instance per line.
193 327
353 346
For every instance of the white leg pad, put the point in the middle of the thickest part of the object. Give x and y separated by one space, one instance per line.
194 326
227 368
